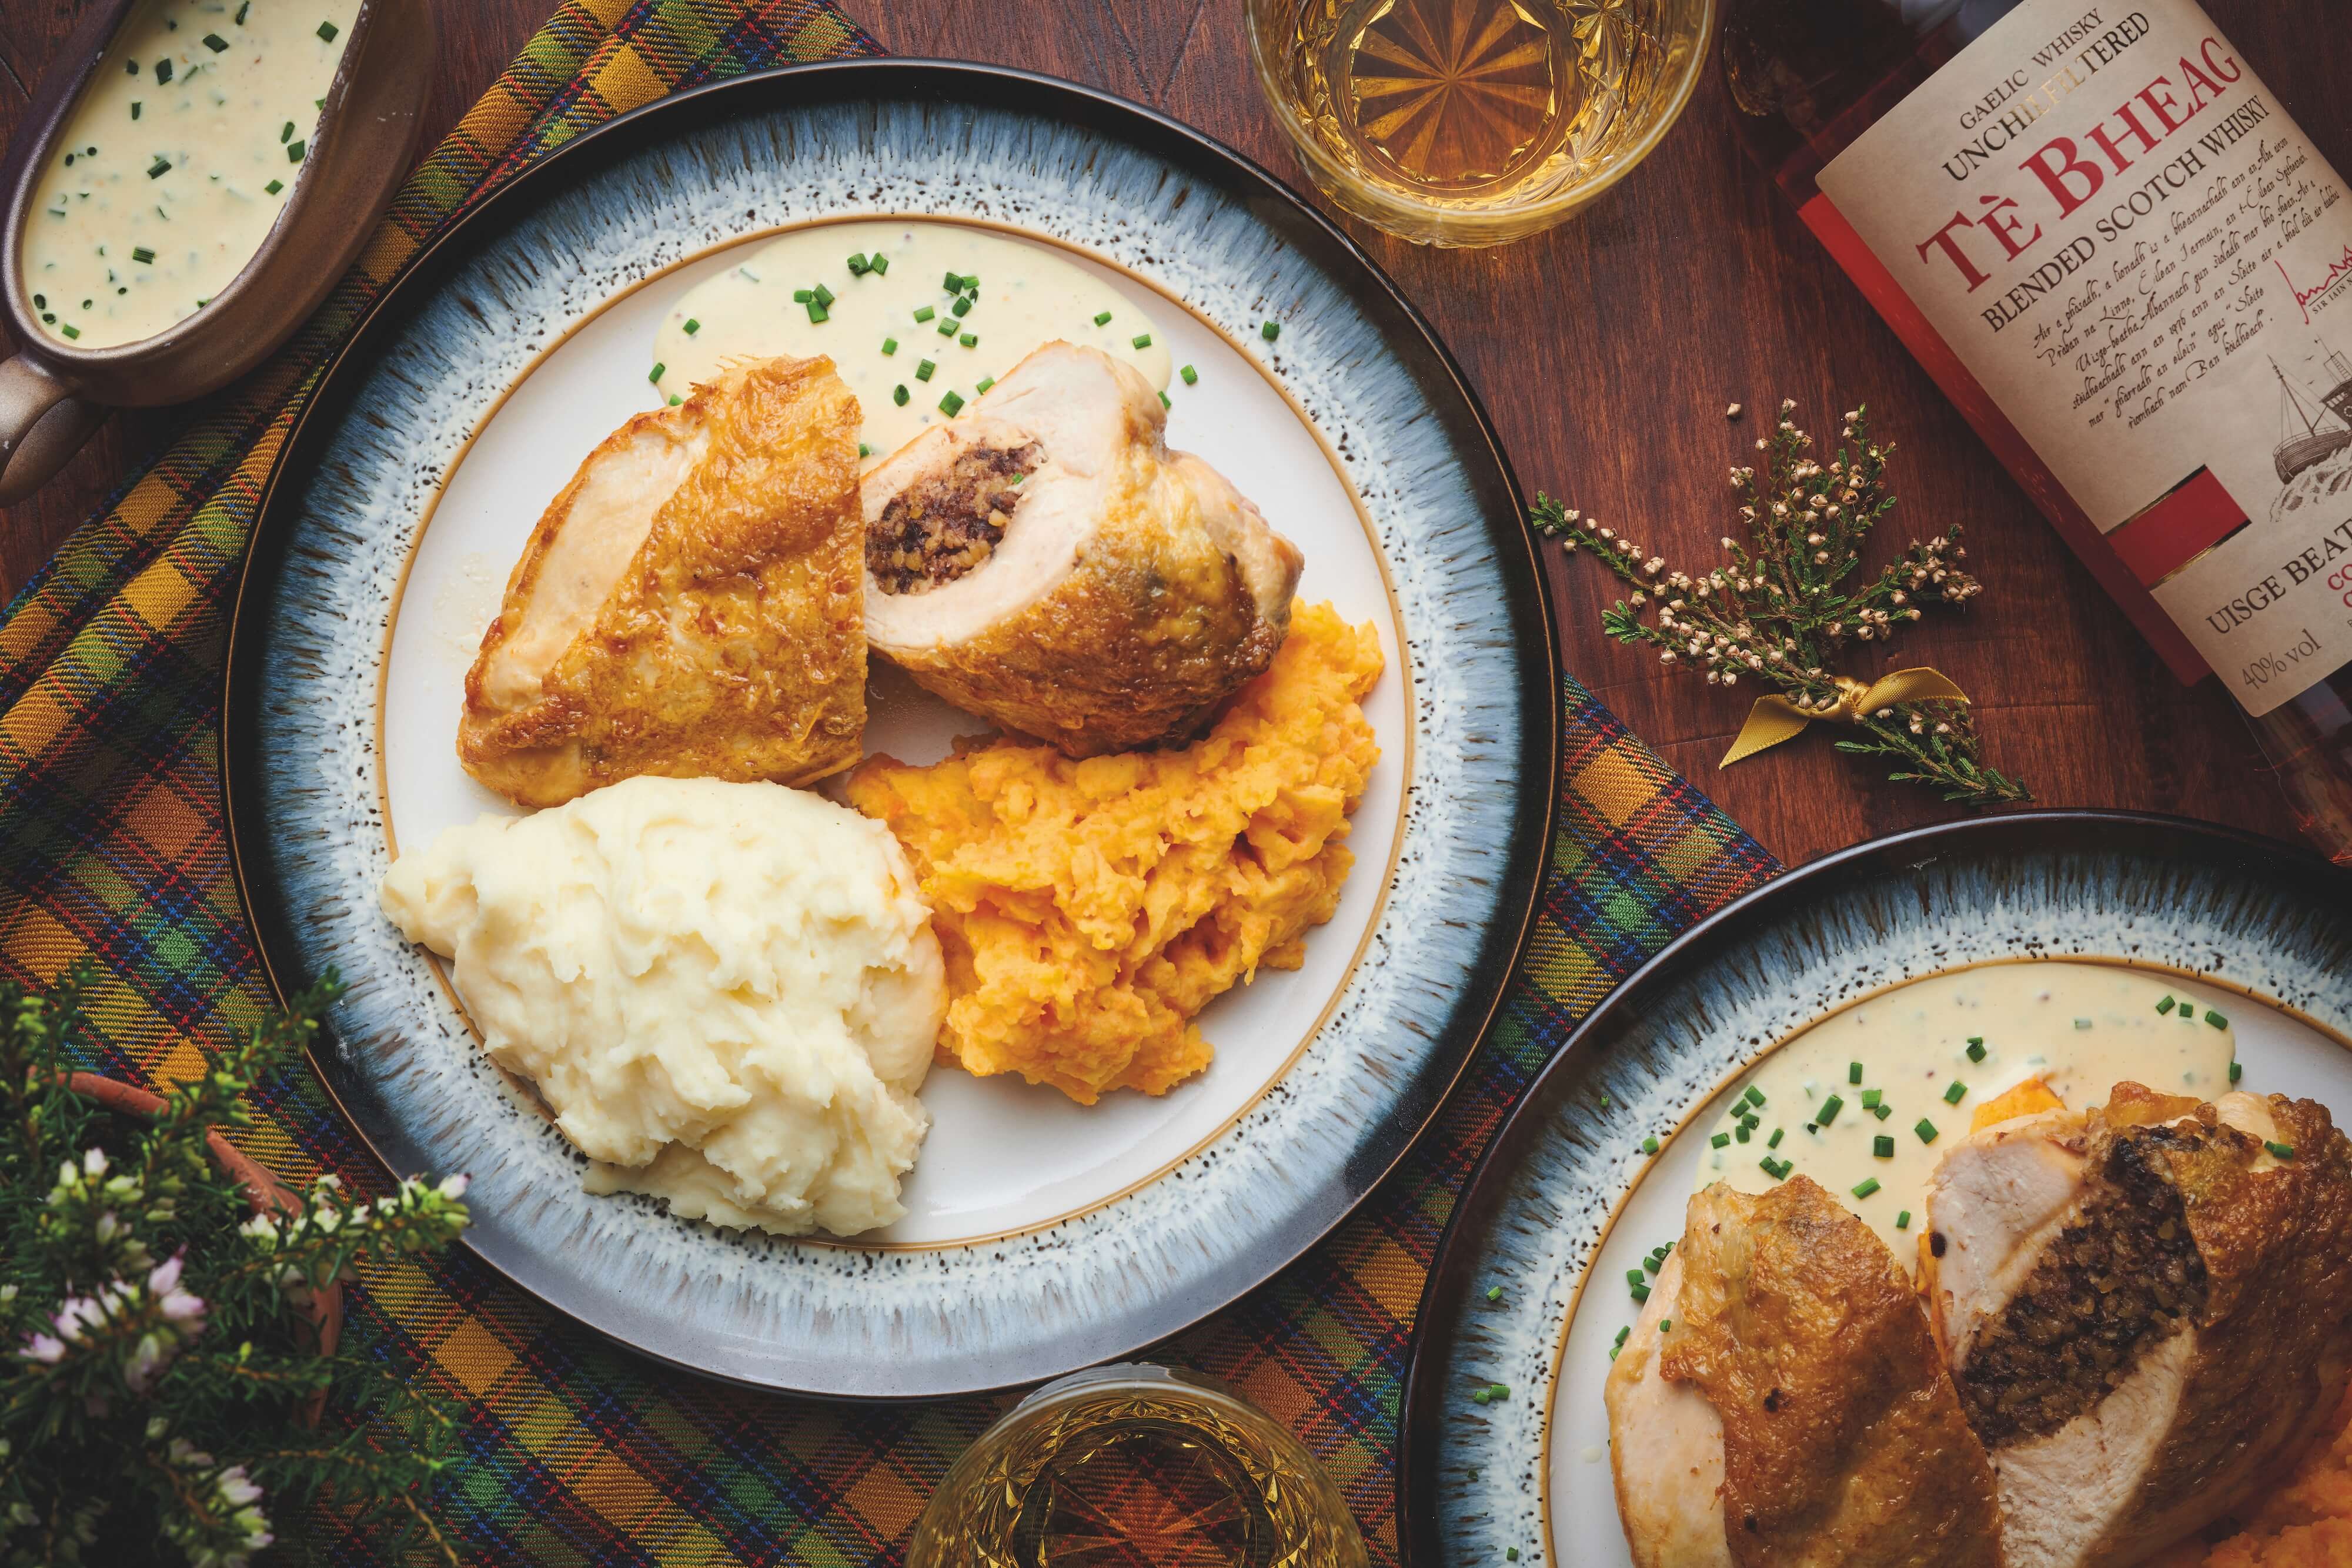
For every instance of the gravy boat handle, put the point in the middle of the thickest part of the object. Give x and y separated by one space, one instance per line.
42 424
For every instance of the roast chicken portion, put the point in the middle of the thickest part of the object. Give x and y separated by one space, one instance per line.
2145 1309
690 605
1796 1414
1044 561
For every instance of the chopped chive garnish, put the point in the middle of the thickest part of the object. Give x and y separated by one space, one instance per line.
1865 1186
889 345
923 370
286 131
294 153
952 282
134 108
1830 1108
1102 318
962 306
1882 1110
1650 1144
1494 1292
817 312
2237 1071
275 186
1871 1097
2279 1150
1270 331
1926 1129
1743 1131
215 43
656 374
879 262
1652 1263
1976 1050
2216 1019
141 253
1853 1073
162 72
241 10
982 384
1641 1294
972 283
1622 1332
864 450
947 325
1635 1277
1903 1220
70 331
951 405
857 265
1881 1147
925 314
2082 1023
130 68
824 296
675 400
327 31
1140 340
970 340
1755 1096
158 169
898 394
1954 1092
1479 1397
1774 1141
2167 1005
692 326
1720 1140
803 296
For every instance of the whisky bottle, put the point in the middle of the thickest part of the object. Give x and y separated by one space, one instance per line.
2108 242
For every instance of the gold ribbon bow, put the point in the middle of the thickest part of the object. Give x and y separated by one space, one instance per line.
1775 719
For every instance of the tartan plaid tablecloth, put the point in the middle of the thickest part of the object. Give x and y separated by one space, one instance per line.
577 1452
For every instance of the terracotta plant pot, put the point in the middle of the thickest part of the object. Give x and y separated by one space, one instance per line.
262 1189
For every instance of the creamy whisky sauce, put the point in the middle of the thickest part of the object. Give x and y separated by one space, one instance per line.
882 326
2080 1028
176 161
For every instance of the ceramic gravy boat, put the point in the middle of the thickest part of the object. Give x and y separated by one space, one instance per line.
54 394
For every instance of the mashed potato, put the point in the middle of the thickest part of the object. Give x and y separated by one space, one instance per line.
2307 1524
727 993
1088 909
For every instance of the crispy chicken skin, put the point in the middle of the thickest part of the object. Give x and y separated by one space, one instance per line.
2148 1312
1108 597
1832 1426
689 605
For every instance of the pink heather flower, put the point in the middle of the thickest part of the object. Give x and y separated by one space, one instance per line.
43 1349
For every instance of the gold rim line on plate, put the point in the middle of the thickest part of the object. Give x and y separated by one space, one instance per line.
1402 665
1617 1209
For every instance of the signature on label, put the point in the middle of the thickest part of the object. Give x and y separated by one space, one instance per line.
2337 271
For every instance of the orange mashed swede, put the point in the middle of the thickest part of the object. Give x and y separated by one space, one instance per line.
1088 909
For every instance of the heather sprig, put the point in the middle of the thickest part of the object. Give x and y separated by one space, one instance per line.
156 1363
1779 613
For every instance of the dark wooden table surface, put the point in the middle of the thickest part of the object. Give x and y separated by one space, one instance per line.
1606 351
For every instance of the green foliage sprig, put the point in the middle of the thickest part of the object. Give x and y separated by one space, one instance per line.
1779 613
155 1361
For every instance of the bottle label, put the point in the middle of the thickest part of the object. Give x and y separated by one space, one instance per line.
2119 233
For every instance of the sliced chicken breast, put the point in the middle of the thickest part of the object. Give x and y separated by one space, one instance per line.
1044 561
689 605
1796 1414
2144 1308
1665 1445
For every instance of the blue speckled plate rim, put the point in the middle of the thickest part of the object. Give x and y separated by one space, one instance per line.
1459 1251
1451 396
